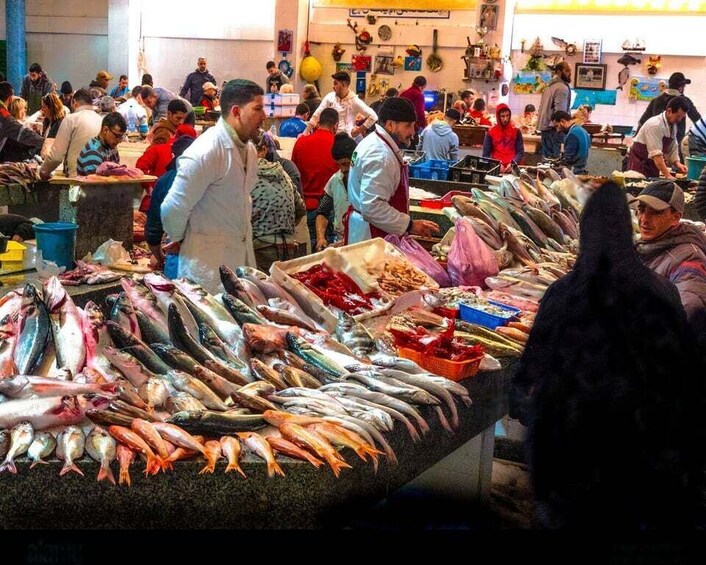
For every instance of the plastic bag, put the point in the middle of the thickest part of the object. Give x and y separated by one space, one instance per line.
420 258
110 253
47 269
470 258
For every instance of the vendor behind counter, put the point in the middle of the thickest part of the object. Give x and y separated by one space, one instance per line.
16 227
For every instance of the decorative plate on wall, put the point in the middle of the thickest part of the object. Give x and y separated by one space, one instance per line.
384 32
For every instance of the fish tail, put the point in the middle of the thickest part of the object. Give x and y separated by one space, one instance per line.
8 465
106 473
165 464
70 466
336 465
316 462
235 467
153 465
273 469
210 467
37 462
124 477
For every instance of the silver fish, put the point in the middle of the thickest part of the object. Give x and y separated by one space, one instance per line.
42 446
354 335
66 327
21 437
183 402
70 446
102 447
154 392
183 382
33 329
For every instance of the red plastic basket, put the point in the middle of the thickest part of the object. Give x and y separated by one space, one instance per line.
454 370
443 201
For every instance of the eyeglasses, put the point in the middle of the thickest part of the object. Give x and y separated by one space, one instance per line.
120 136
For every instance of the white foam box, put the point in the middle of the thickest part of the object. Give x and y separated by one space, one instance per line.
281 99
280 111
353 260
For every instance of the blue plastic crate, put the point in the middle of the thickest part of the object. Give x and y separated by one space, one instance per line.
433 169
468 313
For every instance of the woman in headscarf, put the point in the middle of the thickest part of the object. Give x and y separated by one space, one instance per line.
610 386
277 207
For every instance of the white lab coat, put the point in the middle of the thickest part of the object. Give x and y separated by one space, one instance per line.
372 181
209 208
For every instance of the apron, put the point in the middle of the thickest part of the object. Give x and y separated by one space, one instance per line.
640 162
399 200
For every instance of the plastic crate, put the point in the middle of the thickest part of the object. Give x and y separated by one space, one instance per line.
199 110
454 370
468 313
14 252
433 169
443 201
473 169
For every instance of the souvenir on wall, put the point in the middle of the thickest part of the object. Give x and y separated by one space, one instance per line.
384 65
412 63
362 63
337 52
284 40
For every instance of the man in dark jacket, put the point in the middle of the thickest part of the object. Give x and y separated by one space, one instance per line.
674 249
17 142
677 82
35 85
193 84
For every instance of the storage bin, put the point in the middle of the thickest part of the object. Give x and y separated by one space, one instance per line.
473 169
470 135
469 313
454 370
434 169
281 99
14 251
694 165
280 111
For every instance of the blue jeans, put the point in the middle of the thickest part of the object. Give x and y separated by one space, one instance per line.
551 143
171 265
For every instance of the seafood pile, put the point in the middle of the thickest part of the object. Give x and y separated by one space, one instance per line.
336 289
88 273
174 372
23 174
397 277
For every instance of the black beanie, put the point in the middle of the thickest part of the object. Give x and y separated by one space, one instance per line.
397 110
343 146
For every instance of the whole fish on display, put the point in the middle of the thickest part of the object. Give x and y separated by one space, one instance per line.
33 330
214 424
66 327
42 446
70 445
102 447
623 77
304 350
21 437
137 348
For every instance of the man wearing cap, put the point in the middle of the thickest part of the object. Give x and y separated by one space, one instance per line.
654 149
195 81
438 140
378 181
348 106
209 100
99 85
677 82
674 249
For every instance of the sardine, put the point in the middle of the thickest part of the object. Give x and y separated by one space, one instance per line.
212 424
102 447
70 445
21 437
42 446
33 330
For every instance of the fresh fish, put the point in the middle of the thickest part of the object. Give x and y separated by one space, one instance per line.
166 293
233 285
230 448
529 228
379 383
138 349
346 438
144 301
70 445
21 437
123 314
150 331
128 393
134 371
125 457
399 363
177 436
215 345
515 286
184 341
298 377
265 373
565 223
284 317
181 402
545 223
258 388
177 359
97 339
122 407
136 443
291 306
66 327
366 431
241 312
268 339
489 236
33 330
515 247
385 343
354 335
264 283
109 418
149 433
42 446
286 447
185 383
316 443
259 446
212 424
253 402
4 442
468 207
11 303
212 453
154 392
26 386
102 447
304 350
45 413
8 341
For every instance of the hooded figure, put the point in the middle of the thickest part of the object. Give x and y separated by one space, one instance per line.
439 140
503 142
610 386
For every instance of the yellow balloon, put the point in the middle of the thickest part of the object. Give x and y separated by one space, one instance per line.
310 69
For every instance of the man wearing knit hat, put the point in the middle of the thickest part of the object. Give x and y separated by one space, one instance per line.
378 181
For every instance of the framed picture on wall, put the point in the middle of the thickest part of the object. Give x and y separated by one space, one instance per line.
488 17
590 77
592 51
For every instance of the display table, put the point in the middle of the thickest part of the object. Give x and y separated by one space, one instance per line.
80 294
305 498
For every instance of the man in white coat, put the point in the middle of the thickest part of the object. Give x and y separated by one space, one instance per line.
378 180
207 212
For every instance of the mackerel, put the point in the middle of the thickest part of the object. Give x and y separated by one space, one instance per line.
152 332
304 350
241 312
166 293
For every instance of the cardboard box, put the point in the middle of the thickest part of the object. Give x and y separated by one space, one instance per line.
281 99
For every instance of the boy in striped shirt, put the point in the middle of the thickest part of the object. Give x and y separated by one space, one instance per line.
103 147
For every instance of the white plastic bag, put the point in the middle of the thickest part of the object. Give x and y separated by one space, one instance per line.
46 269
110 253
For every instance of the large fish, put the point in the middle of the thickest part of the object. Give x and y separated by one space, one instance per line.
177 436
515 247
216 424
151 332
27 386
45 413
137 348
545 223
123 314
66 327
241 288
529 228
134 371
468 207
143 300
285 318
185 383
167 293
97 339
154 392
210 340
315 443
33 328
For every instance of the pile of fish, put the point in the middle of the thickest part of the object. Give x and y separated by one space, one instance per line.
174 372
24 174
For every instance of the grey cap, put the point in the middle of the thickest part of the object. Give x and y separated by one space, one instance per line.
663 194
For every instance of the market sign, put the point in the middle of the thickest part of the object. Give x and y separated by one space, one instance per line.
678 7
397 4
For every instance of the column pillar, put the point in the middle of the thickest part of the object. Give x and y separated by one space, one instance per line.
15 18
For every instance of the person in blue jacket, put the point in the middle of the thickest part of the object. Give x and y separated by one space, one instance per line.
576 143
294 127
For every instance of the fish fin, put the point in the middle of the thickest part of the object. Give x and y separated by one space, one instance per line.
153 465
336 465
70 466
208 468
316 462
38 461
235 467
166 464
106 473
125 476
273 469
8 465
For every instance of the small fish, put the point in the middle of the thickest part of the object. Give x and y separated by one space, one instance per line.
42 446
212 453
133 441
231 449
623 77
21 437
149 433
182 401
101 446
185 383
354 335
286 447
259 446
154 392
125 456
177 436
70 446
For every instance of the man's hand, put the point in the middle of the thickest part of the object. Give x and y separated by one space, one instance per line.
356 131
680 167
172 247
424 228
321 244
44 176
